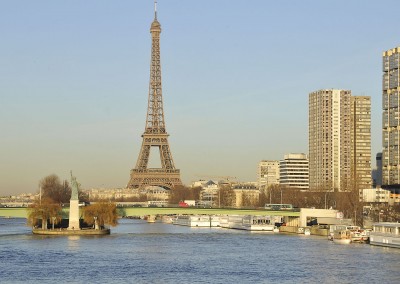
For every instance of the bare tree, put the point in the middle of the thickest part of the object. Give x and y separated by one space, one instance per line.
263 199
180 193
226 195
60 192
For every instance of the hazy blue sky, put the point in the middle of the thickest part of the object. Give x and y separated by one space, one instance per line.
236 77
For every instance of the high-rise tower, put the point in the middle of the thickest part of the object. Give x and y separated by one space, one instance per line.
339 140
329 139
155 134
391 119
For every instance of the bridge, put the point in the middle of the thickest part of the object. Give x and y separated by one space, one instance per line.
22 212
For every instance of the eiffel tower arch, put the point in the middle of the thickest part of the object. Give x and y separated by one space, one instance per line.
155 134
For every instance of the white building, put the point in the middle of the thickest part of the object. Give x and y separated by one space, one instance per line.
375 195
209 195
268 173
294 171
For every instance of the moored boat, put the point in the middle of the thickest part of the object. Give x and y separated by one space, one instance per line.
196 220
151 218
251 222
360 236
342 237
385 234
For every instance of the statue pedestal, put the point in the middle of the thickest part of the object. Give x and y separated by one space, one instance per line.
73 215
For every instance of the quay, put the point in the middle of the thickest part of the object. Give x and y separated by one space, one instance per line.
64 232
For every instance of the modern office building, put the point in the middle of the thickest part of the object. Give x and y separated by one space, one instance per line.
339 140
391 120
267 173
294 171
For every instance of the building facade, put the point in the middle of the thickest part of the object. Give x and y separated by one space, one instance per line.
372 195
339 140
361 142
329 139
245 195
391 119
267 173
294 171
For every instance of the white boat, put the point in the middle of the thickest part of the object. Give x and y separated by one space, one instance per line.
342 237
307 231
360 236
251 222
196 220
167 219
385 234
151 218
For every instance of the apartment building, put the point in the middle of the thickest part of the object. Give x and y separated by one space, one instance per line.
339 140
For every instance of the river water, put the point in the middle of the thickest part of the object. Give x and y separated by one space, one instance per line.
137 252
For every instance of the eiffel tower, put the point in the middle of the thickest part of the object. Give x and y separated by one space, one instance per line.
155 134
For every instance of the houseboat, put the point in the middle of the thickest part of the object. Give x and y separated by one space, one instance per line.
250 222
385 234
196 220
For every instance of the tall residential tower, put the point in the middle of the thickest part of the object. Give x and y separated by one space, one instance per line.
339 140
391 119
361 142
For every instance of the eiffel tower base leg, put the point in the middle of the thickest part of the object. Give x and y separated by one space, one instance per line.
154 177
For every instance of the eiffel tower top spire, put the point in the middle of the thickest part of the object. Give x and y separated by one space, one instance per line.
155 9
155 123
155 25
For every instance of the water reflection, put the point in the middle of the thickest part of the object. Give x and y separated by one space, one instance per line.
74 242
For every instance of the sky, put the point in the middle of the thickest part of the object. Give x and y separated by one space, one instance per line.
236 76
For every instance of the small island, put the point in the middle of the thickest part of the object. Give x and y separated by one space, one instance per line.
93 220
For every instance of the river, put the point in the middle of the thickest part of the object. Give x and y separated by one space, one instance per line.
137 252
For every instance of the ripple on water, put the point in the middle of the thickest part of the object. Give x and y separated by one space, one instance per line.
138 252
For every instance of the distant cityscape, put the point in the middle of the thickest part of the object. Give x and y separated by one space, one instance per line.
338 159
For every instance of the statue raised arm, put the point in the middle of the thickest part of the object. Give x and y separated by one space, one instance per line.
74 189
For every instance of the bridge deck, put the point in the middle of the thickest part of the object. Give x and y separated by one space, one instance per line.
141 211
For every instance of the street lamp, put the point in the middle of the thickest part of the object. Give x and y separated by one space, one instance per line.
379 215
219 198
355 217
326 193
270 195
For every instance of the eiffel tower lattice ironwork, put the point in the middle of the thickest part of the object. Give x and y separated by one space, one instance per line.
155 134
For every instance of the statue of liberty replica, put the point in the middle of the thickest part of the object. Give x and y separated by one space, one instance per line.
74 205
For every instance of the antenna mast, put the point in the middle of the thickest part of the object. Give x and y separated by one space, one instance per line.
155 9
